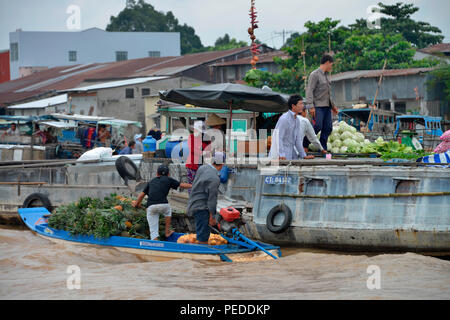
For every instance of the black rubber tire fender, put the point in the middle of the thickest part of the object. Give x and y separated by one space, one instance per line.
126 168
279 209
28 202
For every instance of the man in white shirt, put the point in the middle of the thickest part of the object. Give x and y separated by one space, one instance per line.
306 129
286 141
13 131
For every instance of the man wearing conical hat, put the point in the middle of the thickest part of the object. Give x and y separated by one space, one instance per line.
215 123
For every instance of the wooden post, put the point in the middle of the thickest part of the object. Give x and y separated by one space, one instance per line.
230 128
32 140
376 94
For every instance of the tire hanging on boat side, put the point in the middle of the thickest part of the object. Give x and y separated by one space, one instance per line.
32 200
279 209
126 168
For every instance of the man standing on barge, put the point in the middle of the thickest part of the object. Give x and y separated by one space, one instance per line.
318 99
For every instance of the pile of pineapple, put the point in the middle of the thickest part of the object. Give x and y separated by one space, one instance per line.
112 216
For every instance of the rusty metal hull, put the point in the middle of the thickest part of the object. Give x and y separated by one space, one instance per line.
357 207
359 240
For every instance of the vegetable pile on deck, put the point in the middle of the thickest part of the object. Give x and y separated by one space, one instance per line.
214 239
345 139
112 216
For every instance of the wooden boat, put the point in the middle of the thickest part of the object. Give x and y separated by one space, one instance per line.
36 220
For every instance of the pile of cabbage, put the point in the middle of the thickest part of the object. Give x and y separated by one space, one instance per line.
345 139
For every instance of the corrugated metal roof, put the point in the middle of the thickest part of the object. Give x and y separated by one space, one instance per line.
42 103
68 77
263 58
114 84
377 73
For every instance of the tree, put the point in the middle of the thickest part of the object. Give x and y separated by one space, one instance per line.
368 52
353 52
316 41
224 43
398 21
141 16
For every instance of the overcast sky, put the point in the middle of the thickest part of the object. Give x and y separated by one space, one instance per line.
210 18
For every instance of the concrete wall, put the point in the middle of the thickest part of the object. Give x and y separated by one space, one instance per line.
151 109
84 104
237 72
397 93
51 49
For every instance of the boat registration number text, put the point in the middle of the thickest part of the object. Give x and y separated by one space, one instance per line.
278 180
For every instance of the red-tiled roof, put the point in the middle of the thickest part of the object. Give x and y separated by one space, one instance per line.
440 47
61 78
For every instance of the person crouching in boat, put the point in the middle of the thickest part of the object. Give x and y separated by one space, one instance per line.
156 191
202 201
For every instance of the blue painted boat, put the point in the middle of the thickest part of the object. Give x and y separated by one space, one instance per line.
36 220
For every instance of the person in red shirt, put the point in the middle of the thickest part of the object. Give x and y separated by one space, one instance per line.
196 147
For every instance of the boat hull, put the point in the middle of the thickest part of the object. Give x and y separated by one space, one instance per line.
35 219
356 240
357 208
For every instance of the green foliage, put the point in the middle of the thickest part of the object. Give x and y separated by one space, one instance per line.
224 43
398 20
141 16
356 47
367 52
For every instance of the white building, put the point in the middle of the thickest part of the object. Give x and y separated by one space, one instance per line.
32 51
40 107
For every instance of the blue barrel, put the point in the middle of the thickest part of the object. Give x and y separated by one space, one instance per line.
149 144
177 150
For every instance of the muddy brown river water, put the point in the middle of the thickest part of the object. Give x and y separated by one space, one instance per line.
35 268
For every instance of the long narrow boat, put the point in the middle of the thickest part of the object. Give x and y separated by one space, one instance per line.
36 220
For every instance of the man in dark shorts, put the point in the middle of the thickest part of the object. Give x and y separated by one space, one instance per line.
157 190
318 99
203 198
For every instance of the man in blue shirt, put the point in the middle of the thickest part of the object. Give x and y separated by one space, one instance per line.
129 149
202 204
287 142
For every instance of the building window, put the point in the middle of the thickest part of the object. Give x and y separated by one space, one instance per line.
145 92
154 54
14 51
129 93
121 55
72 56
400 107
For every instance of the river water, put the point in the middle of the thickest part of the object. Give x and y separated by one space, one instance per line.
35 268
